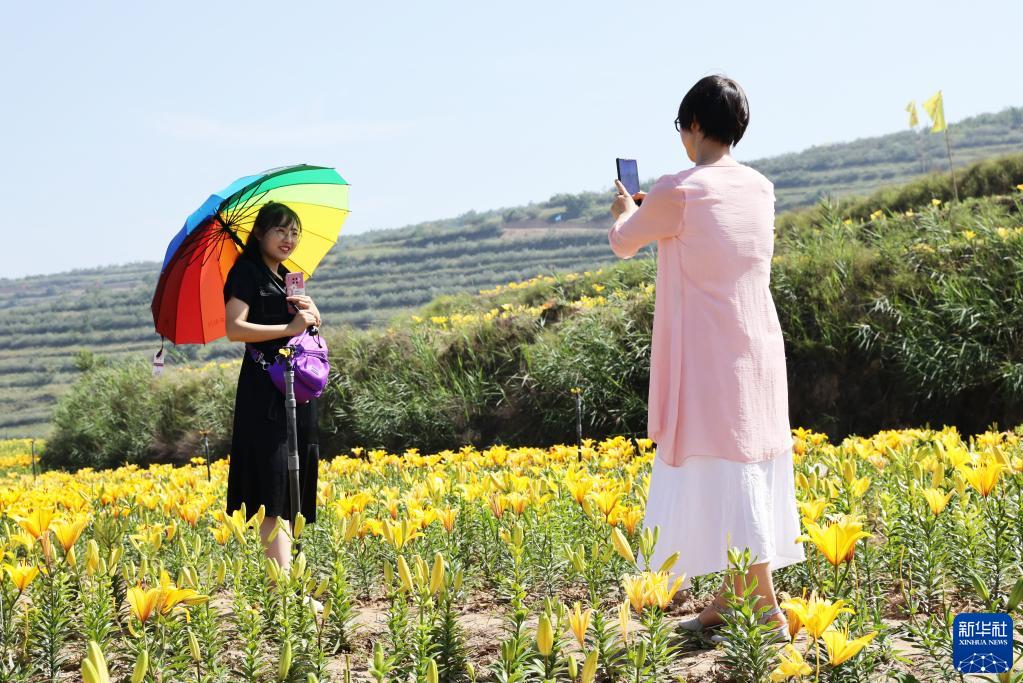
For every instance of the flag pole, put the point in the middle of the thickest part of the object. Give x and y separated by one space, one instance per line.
951 169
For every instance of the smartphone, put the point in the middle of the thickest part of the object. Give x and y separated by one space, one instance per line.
294 285
628 174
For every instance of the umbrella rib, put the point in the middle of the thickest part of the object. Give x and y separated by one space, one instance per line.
242 211
187 251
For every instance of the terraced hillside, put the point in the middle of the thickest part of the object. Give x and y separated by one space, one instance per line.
45 321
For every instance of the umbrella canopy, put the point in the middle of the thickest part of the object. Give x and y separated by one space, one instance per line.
188 307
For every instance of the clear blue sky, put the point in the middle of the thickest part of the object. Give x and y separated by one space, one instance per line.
120 118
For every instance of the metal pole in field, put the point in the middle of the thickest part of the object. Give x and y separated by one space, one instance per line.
579 421
206 448
290 405
33 461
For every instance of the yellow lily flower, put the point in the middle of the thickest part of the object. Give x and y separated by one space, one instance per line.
21 575
580 623
68 533
936 499
143 602
663 593
623 620
607 500
792 665
840 648
635 590
815 614
983 477
447 518
813 509
38 523
838 541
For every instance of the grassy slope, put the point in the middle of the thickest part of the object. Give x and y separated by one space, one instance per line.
370 278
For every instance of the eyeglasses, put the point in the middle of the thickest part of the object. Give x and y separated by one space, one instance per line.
282 233
678 124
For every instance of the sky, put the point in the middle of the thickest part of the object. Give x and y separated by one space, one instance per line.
120 118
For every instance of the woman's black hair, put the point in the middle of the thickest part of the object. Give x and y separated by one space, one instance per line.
271 215
719 105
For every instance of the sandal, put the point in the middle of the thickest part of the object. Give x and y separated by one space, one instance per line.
694 625
781 631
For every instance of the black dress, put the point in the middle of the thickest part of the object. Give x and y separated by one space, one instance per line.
258 473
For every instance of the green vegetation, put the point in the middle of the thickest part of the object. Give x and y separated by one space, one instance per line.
908 317
370 278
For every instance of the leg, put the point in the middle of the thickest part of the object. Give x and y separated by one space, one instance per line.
764 592
280 547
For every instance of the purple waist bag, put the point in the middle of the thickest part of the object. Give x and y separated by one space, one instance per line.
309 353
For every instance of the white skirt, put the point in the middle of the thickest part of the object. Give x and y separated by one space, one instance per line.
707 505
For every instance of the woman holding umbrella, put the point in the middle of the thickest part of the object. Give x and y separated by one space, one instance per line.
222 275
258 313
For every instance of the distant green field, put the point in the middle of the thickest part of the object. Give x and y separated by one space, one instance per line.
369 278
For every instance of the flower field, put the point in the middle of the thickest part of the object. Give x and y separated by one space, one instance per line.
504 564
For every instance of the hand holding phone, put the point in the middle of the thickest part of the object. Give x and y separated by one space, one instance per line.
628 175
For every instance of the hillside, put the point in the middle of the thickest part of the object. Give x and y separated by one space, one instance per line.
371 277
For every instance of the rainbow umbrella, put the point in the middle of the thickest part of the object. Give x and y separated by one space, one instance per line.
188 306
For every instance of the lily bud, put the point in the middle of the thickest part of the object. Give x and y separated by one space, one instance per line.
285 665
388 575
544 635
298 568
848 471
98 662
259 517
573 667
431 672
589 667
669 563
328 605
404 574
274 570
193 647
621 544
437 574
91 556
299 525
138 674
89 674
578 558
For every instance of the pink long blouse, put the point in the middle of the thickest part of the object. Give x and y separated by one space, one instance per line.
718 385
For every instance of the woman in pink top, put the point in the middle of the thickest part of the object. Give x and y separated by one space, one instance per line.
718 408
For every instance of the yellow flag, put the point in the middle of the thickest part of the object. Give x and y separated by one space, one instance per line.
911 109
935 108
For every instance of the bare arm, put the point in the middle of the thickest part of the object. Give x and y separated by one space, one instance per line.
239 329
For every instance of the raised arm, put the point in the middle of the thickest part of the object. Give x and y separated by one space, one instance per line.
658 217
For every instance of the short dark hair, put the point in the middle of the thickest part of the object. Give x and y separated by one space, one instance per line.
271 215
719 105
